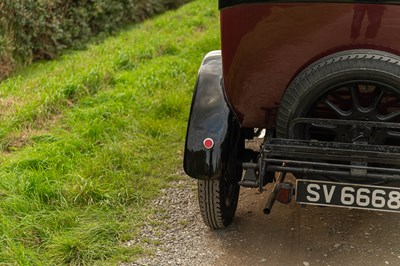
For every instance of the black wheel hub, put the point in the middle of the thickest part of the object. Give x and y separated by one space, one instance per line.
360 101
360 134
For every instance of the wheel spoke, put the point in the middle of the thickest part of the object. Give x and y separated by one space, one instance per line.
354 98
393 134
389 117
336 109
377 100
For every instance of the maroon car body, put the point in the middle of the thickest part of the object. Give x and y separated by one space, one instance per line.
265 45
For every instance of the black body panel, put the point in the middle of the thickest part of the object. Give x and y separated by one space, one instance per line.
210 117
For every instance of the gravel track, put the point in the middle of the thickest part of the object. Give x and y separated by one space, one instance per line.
178 234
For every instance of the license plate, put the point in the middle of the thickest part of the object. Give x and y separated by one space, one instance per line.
348 195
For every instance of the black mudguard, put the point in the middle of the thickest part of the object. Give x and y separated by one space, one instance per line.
210 117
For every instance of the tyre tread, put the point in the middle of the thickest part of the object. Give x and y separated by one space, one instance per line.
209 202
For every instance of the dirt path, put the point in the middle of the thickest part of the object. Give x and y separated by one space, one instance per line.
292 235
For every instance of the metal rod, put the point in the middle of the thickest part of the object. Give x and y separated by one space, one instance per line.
371 158
274 193
339 147
340 122
280 161
306 171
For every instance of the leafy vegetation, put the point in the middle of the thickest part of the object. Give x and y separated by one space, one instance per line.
31 29
88 139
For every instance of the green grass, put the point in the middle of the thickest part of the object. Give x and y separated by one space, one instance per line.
87 140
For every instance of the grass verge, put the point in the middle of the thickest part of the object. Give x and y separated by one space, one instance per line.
87 140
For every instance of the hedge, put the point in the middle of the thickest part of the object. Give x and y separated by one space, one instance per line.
40 29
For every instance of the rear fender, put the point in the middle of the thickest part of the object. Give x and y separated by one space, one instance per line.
210 117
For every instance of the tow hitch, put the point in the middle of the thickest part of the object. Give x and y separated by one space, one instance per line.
282 191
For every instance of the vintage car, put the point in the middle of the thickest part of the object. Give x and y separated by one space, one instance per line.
322 79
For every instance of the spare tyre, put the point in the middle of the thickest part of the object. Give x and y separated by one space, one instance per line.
354 85
361 85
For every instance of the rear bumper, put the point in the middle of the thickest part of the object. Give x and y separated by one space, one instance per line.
346 162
